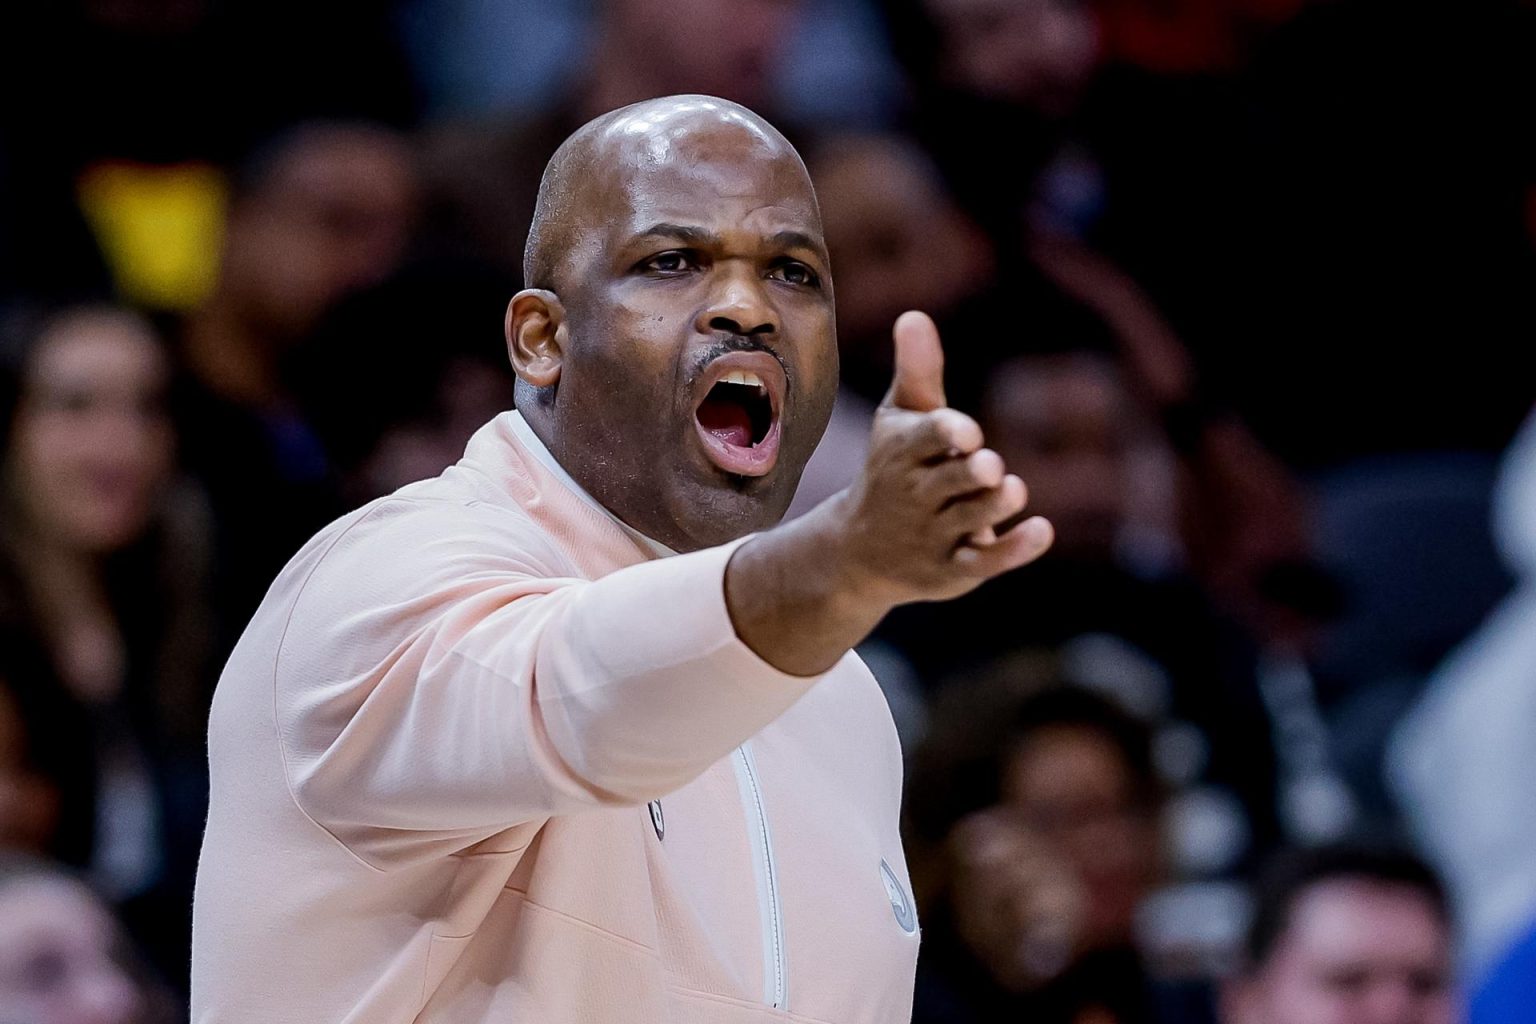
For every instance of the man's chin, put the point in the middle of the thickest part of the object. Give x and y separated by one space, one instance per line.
721 507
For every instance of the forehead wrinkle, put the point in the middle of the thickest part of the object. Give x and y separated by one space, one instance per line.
674 190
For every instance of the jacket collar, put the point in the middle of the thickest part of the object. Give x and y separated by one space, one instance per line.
536 447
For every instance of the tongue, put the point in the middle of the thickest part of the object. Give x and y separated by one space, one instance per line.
728 421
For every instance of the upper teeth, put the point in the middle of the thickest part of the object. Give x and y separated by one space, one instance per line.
744 377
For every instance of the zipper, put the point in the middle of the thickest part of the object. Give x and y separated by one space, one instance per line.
775 982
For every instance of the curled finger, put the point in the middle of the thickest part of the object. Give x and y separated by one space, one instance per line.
1019 546
976 515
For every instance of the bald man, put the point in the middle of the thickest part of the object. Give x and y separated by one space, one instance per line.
573 731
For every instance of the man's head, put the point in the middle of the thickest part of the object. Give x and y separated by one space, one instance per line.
675 347
1346 935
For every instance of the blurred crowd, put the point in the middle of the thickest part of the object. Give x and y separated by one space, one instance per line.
1241 288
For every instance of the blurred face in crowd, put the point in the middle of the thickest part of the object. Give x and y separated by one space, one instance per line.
728 48
57 963
689 362
1061 421
1072 787
1015 900
1356 951
92 445
1059 866
903 245
331 214
1036 53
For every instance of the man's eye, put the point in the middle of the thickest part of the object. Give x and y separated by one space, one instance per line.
671 262
793 272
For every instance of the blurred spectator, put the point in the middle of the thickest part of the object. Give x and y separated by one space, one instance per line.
1035 837
480 58
1408 539
63 959
905 245
999 73
1108 597
159 97
1243 514
485 176
1037 54
1346 935
727 48
1100 476
325 209
1462 764
909 244
1189 37
102 573
427 347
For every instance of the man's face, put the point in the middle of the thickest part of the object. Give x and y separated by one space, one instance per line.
1356 952
701 360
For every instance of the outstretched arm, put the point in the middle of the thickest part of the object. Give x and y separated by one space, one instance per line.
460 687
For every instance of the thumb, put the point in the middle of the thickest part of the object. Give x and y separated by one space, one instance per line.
918 382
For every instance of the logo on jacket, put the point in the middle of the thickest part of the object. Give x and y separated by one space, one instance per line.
657 821
901 906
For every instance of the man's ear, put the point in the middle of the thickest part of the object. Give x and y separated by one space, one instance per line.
536 336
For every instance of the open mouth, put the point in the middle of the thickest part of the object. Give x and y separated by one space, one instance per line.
738 415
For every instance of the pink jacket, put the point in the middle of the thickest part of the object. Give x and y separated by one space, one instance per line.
477 759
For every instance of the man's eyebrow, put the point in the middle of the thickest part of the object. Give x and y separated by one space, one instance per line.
695 236
792 239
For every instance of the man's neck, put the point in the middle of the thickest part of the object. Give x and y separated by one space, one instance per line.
533 438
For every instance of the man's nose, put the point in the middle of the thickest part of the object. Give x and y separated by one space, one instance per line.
739 305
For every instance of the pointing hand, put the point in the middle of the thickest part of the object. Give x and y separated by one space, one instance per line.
922 515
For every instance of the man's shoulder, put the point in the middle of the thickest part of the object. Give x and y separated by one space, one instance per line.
412 543
391 570
418 528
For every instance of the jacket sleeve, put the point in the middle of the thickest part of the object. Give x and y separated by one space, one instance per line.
435 676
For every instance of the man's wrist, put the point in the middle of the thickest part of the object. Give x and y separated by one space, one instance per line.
854 587
797 595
